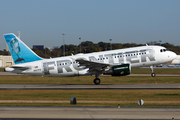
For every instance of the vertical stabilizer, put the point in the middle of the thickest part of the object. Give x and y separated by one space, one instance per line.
20 52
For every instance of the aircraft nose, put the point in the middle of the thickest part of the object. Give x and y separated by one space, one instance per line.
173 55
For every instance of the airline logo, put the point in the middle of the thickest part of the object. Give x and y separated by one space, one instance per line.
132 57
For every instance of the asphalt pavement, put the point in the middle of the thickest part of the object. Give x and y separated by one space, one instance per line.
90 113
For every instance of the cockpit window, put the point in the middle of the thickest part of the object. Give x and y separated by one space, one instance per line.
163 50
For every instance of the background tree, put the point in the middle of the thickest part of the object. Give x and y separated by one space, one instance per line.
89 47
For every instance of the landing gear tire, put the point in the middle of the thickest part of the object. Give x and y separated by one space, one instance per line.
97 81
153 74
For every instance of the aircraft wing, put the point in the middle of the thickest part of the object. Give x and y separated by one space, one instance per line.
92 65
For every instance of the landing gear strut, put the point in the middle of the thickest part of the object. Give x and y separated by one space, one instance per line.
97 81
152 74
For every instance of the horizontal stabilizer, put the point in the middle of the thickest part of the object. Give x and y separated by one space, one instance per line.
14 68
20 67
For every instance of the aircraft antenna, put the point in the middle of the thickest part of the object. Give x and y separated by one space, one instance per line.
18 34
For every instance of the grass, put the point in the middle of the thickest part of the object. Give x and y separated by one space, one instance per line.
88 80
174 71
1 69
110 98
89 105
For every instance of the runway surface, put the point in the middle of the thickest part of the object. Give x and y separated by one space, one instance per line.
87 86
89 113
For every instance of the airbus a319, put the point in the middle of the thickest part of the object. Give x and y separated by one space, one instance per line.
113 62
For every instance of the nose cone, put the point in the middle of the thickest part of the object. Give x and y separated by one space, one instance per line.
173 55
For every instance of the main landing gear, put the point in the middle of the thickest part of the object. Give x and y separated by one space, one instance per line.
97 81
152 74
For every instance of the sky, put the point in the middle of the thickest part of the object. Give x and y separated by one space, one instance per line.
42 22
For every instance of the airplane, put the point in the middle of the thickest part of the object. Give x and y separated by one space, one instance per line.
176 61
113 62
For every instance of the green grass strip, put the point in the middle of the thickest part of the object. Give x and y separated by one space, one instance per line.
111 98
88 80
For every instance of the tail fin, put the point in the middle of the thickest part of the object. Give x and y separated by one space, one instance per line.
20 52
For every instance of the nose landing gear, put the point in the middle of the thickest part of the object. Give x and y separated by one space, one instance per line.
152 74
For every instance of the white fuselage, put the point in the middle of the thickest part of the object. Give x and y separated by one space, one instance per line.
67 66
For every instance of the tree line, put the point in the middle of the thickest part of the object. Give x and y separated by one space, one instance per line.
89 47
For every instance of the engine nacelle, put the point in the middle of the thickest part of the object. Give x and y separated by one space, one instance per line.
119 70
